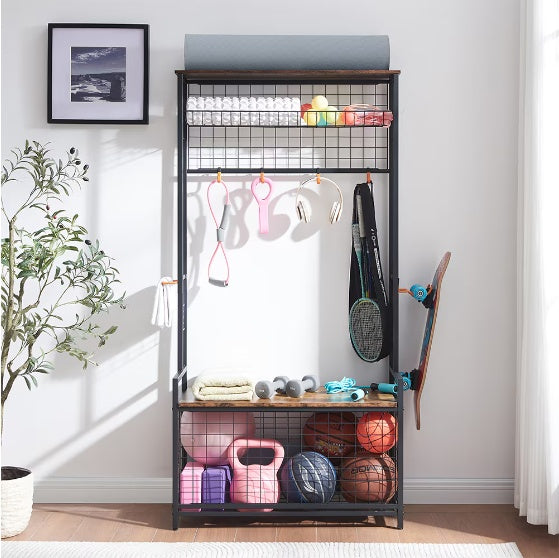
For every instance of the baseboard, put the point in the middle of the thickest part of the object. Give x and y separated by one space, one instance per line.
459 491
103 490
158 490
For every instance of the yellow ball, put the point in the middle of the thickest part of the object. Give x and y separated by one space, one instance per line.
319 102
331 115
311 117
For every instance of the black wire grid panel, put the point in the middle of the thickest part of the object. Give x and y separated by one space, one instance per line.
289 462
247 127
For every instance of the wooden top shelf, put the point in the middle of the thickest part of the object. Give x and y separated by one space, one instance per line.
317 400
286 75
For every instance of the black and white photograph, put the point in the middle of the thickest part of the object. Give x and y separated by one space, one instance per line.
98 73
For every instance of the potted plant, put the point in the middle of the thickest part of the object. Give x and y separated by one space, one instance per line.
55 281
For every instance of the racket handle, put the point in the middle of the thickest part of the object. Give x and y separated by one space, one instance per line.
360 217
356 240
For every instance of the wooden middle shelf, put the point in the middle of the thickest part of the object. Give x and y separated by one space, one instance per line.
317 400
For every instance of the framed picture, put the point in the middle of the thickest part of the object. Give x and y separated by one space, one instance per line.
98 73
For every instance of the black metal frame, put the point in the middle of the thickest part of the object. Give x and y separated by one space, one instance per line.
144 118
282 509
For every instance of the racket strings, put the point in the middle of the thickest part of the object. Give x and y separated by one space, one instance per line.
365 325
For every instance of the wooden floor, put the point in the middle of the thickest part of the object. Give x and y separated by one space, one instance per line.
422 523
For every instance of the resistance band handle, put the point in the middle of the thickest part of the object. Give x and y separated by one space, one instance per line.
220 231
225 217
263 216
218 282
262 202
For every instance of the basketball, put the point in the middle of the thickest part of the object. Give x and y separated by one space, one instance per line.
308 477
377 431
206 435
331 434
368 478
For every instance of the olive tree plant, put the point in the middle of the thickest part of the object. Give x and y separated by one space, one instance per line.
55 281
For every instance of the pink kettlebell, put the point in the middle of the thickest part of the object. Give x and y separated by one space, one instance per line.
255 484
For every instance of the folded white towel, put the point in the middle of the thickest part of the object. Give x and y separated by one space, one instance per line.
165 303
223 386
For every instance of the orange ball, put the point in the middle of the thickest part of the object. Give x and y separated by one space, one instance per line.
346 117
377 432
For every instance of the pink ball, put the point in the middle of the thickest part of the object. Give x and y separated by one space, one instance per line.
206 435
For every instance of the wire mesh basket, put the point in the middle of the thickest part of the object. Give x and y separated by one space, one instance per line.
247 127
297 459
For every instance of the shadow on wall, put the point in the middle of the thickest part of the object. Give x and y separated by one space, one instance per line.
118 393
238 232
124 404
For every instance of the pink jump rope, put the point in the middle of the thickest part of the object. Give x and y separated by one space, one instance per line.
220 229
262 202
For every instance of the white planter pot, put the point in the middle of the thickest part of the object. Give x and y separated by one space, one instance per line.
17 500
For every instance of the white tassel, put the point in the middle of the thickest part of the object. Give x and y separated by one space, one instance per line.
164 304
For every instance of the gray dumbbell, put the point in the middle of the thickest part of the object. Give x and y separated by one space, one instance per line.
296 388
265 389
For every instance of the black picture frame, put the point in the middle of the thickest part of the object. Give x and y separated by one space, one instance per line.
98 73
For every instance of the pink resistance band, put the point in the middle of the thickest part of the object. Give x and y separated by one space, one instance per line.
220 229
262 202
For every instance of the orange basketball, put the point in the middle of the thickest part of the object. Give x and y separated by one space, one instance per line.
331 434
368 478
377 432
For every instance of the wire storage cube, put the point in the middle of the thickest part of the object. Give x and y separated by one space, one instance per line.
320 456
287 458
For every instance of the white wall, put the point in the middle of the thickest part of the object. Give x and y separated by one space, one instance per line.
285 310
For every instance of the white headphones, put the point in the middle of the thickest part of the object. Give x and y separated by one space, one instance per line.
303 209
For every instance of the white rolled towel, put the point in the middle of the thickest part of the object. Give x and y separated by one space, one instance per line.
256 111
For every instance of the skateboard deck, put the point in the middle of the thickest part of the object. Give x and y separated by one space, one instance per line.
432 304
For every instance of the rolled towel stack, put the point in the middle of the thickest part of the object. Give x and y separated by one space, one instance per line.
243 111
223 385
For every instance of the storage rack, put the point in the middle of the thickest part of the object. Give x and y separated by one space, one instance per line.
205 147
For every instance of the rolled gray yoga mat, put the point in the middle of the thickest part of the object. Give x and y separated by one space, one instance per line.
286 52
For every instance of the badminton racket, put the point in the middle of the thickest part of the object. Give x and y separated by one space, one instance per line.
365 322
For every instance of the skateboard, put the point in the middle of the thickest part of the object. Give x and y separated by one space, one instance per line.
431 302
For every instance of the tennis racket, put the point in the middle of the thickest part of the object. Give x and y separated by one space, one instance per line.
365 322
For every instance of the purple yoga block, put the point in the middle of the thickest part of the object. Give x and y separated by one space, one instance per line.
215 484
